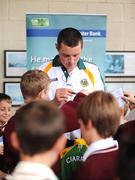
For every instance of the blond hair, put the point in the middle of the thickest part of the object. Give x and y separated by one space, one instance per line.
33 82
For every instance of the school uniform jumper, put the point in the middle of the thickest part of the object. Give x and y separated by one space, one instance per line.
99 161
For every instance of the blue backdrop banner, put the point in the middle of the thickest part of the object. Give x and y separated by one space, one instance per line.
42 31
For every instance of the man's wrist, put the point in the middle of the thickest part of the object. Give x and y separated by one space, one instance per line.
55 102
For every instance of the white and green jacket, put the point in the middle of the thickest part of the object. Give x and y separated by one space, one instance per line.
84 76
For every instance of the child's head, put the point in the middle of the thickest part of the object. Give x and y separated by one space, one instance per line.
39 124
5 108
35 84
102 110
126 159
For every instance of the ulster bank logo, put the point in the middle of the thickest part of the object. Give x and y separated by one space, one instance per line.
39 22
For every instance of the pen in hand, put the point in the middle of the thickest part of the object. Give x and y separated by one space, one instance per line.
73 93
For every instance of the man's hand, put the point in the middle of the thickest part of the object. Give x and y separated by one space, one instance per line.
62 95
1 149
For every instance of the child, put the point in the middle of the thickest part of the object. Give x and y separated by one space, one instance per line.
34 85
5 113
99 117
40 137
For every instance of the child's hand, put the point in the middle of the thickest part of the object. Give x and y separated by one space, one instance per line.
1 149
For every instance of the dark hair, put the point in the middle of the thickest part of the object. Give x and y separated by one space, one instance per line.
102 109
39 124
70 37
5 97
126 158
34 81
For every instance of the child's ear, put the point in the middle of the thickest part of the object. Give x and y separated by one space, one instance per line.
15 141
89 125
43 94
60 143
122 111
86 127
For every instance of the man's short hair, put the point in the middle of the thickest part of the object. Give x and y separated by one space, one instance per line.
38 124
33 82
102 109
5 97
70 37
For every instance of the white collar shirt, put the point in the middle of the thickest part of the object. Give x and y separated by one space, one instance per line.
100 145
32 171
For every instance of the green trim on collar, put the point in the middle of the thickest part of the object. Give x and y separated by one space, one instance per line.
80 64
56 63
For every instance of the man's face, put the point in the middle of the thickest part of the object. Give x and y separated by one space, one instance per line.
5 111
69 56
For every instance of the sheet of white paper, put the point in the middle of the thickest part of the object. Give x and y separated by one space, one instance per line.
118 93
